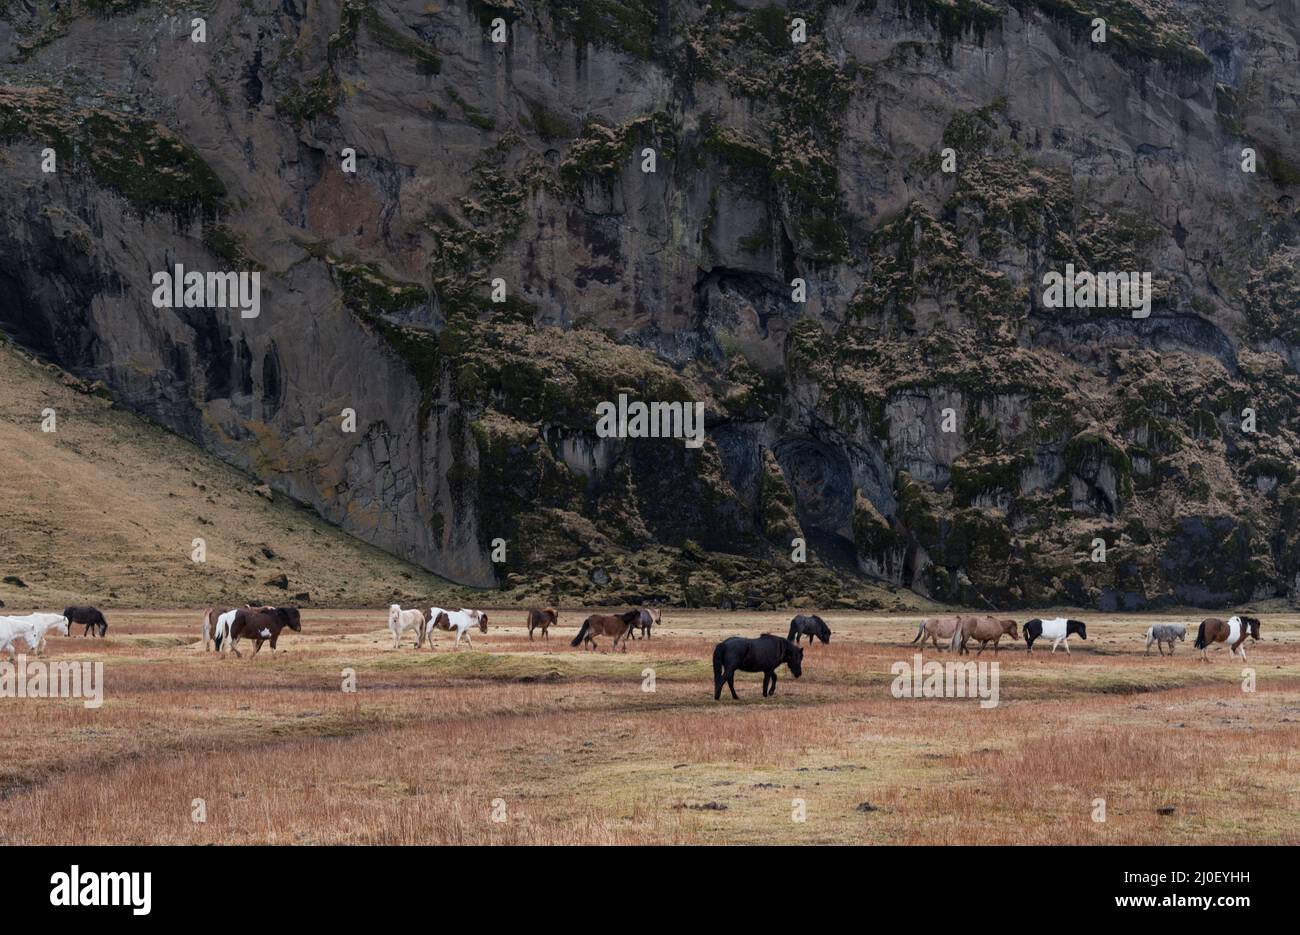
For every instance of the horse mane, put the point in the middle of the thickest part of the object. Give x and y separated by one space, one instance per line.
552 611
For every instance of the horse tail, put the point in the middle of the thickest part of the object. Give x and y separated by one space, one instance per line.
920 631
582 633
1200 637
717 662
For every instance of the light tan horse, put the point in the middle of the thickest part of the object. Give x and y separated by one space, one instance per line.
210 615
986 630
936 628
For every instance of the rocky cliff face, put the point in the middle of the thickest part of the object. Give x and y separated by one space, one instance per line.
920 419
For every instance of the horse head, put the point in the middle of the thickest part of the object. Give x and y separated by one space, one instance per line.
1009 627
482 621
290 616
794 658
1253 624
394 614
66 623
1076 626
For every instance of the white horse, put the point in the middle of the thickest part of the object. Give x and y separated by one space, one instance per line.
399 621
41 625
12 630
459 620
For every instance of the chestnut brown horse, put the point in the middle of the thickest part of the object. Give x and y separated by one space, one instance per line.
542 620
1232 631
616 625
262 624
986 630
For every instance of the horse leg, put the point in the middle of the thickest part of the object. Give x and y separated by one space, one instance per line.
1159 645
765 675
773 689
1066 639
731 683
469 639
530 632
258 646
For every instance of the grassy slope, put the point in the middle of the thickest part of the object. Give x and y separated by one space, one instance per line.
104 511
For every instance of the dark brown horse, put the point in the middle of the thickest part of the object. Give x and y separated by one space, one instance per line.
615 625
1232 631
754 655
90 616
542 620
809 625
262 624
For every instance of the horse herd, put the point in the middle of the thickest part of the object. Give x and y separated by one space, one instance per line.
226 626
32 629
960 630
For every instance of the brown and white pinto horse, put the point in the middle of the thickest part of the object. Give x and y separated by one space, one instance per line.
615 625
1232 631
262 624
542 620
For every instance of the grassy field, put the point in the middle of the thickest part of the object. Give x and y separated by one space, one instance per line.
566 747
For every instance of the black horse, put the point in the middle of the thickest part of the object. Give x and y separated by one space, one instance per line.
90 616
761 655
809 625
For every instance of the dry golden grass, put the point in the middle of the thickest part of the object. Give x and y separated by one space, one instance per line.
576 752
104 511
